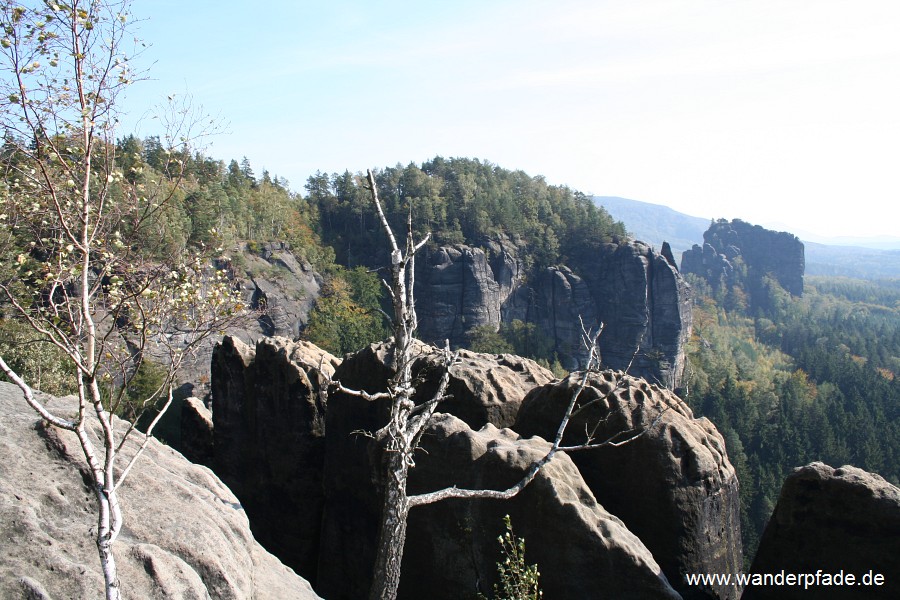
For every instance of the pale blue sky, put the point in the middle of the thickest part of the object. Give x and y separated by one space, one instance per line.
771 111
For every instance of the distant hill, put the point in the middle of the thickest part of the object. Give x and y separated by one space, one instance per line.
851 261
654 224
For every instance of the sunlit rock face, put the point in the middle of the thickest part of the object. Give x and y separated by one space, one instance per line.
672 485
185 533
636 292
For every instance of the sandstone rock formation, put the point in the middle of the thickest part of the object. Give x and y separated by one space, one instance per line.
451 547
831 520
196 442
282 287
278 288
582 550
738 252
637 292
673 486
269 427
460 287
645 306
185 535
484 388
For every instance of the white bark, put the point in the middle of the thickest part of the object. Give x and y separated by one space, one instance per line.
401 435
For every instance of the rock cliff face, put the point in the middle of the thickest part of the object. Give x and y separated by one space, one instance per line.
636 292
281 287
268 440
459 288
280 290
627 522
451 547
185 534
738 252
673 486
830 520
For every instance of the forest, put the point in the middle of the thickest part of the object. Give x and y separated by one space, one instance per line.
807 378
810 379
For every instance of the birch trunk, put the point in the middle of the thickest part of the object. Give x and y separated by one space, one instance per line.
392 537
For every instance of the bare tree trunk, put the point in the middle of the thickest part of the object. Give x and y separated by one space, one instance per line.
392 537
401 434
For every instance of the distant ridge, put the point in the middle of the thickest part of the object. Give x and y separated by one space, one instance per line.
654 224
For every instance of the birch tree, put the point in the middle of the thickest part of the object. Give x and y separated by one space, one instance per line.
400 437
84 267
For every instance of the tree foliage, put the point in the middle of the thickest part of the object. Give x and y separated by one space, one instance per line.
459 200
94 261
814 378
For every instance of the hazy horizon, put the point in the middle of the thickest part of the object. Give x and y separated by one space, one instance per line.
765 111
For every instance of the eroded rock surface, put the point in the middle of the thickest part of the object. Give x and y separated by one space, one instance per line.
185 534
452 548
673 486
635 291
830 520
269 428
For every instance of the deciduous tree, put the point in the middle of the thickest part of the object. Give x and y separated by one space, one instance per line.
84 268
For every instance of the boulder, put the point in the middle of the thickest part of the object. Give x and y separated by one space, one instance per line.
829 521
185 534
582 551
673 485
268 412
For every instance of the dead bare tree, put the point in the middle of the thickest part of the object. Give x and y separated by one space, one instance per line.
401 435
84 274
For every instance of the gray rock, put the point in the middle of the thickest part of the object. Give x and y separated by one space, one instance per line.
451 547
645 306
759 251
185 535
582 551
831 520
460 287
483 388
269 428
673 486
637 292
196 432
282 288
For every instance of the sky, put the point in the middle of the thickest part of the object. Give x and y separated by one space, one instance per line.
777 112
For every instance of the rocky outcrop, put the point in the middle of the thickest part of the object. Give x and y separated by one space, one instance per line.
269 426
673 486
737 252
586 552
451 548
557 302
483 388
645 306
829 521
636 292
283 288
197 432
459 288
185 534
